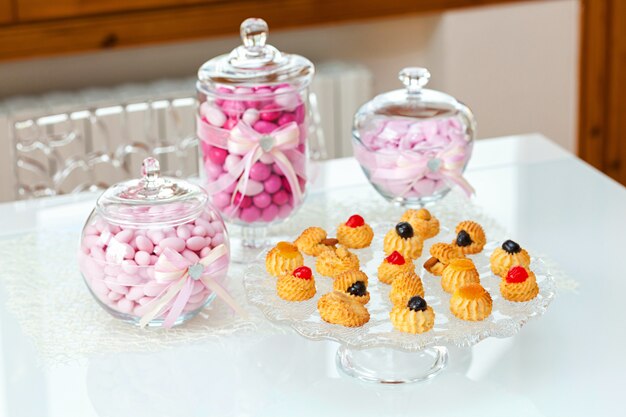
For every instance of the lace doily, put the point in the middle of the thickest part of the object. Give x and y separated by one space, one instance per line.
54 308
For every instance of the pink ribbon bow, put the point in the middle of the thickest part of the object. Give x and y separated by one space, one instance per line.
413 166
181 273
280 145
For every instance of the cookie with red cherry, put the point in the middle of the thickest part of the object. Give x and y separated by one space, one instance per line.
355 233
299 285
519 285
393 266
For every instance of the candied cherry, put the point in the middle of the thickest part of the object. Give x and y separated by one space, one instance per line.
355 221
303 272
417 303
396 258
516 275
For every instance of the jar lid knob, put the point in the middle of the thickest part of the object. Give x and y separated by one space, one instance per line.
254 33
150 170
414 78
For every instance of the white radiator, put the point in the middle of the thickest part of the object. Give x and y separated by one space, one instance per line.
340 89
67 142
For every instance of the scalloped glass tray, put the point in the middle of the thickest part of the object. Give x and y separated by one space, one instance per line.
506 319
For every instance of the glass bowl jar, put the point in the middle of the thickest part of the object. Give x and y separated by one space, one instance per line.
154 251
414 144
253 127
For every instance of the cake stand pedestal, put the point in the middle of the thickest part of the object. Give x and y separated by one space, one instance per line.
391 366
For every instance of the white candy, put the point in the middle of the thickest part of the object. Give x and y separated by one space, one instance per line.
244 90
252 188
286 98
230 162
250 116
214 115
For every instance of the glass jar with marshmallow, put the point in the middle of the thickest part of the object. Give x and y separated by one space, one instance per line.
414 143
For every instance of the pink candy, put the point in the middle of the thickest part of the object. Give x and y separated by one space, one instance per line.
263 126
429 152
118 262
266 196
260 171
217 155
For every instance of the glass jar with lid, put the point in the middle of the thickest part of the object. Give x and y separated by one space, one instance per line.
414 143
153 251
253 127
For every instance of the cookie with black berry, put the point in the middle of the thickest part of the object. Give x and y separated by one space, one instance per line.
470 237
423 222
353 283
416 316
402 238
355 233
508 255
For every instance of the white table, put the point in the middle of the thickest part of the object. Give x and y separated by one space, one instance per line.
571 362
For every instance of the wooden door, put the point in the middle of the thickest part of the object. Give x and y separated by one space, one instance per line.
602 108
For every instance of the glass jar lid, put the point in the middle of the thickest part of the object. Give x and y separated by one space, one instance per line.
151 200
255 63
414 100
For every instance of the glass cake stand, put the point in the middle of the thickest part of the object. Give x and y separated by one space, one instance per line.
376 352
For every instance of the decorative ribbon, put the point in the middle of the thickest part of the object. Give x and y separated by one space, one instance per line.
280 145
181 273
412 166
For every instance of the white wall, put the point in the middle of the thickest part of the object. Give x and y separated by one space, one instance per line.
514 65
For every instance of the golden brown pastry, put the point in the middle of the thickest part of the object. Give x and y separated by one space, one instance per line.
333 262
283 258
392 266
414 316
405 286
470 237
403 239
313 241
353 283
296 286
355 233
339 308
459 272
471 302
423 222
519 285
508 255
441 255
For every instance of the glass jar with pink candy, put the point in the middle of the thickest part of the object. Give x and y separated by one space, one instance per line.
414 143
253 128
154 252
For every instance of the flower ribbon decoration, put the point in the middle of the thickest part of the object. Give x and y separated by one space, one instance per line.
411 167
181 273
280 145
